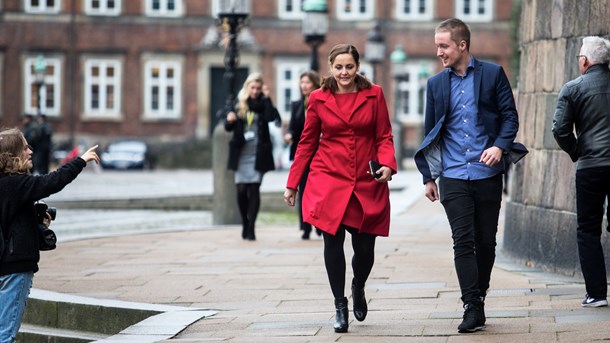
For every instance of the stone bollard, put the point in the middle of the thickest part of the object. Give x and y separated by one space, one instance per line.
224 209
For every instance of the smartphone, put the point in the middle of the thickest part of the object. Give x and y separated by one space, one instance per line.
373 167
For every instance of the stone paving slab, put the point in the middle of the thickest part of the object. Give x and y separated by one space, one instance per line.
276 290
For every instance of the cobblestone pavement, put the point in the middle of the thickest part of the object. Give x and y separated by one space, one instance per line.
275 289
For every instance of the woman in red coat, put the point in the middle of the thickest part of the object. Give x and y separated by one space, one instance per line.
347 126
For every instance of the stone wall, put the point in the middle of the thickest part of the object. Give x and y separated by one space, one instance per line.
540 224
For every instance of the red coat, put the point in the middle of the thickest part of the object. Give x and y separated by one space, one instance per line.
339 150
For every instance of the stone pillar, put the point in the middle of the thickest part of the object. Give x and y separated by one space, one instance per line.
225 209
540 222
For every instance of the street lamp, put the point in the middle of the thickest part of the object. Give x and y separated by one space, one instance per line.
374 49
398 57
232 15
40 70
315 27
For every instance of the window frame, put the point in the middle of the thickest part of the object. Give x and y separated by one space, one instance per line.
416 85
296 67
486 17
345 16
53 79
42 8
163 12
295 14
116 81
103 11
162 113
428 15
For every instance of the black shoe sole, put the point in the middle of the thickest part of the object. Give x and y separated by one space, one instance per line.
475 329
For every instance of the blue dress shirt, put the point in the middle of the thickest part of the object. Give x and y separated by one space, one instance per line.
464 136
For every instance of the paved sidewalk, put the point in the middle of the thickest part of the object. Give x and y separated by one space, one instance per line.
276 290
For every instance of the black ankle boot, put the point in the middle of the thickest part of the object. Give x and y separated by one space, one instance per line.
360 305
250 234
341 318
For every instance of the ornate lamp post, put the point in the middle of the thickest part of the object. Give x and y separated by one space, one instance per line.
232 15
315 27
40 70
398 57
374 49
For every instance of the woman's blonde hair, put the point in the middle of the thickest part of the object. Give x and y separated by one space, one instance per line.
12 145
244 93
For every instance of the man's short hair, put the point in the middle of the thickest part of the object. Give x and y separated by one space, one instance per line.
597 49
458 29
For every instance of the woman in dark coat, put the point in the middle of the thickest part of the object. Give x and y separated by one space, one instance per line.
308 82
250 149
20 222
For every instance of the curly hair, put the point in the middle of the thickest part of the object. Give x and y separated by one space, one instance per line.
12 145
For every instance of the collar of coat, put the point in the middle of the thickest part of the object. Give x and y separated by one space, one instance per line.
328 98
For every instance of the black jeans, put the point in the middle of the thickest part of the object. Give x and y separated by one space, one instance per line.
304 226
472 208
592 189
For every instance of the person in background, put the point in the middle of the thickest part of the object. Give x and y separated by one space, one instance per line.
583 106
42 150
308 82
250 148
347 125
19 224
470 124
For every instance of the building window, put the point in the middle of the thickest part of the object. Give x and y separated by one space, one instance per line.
42 6
164 8
102 88
103 7
49 87
287 84
162 89
411 91
355 9
290 9
474 10
414 10
216 6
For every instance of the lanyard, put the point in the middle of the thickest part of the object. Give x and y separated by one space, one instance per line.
250 118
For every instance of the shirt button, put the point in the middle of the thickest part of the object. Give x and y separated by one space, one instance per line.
466 136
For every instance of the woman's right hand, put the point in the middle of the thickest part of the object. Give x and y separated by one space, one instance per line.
288 138
91 155
231 117
290 196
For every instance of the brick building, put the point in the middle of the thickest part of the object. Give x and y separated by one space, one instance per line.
153 68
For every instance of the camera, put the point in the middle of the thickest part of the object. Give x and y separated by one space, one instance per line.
42 209
46 237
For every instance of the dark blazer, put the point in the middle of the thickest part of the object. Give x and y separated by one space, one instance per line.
297 123
264 149
496 108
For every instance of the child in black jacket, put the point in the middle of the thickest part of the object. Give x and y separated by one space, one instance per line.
19 250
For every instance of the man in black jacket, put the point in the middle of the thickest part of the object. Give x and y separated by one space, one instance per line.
584 104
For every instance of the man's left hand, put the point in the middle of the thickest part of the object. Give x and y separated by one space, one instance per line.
491 156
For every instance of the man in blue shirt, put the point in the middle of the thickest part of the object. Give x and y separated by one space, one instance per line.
470 124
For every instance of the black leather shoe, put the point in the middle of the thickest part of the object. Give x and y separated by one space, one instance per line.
474 318
341 318
360 305
305 235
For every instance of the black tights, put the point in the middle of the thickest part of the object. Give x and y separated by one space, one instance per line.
248 201
334 258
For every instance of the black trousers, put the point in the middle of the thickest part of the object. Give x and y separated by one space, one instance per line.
592 190
472 208
303 226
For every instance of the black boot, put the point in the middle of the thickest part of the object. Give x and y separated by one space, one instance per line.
360 305
341 317
250 233
474 317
